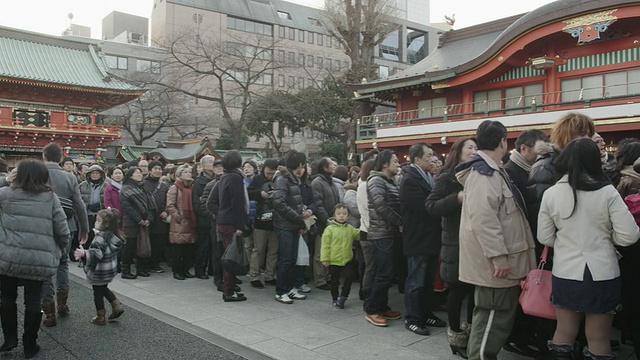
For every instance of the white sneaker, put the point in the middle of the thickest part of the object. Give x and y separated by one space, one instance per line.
304 289
295 295
284 298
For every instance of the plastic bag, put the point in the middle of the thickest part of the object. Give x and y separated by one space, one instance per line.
303 253
235 260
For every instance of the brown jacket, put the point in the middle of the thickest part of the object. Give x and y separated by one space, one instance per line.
629 182
493 227
181 231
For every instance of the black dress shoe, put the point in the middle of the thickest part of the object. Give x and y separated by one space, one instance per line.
520 349
236 288
157 270
202 276
233 298
257 284
270 282
129 275
188 275
143 274
238 281
178 276
324 287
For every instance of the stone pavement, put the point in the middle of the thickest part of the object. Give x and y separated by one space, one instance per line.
307 329
136 335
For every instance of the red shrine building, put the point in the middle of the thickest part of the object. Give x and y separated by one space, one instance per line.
51 90
525 71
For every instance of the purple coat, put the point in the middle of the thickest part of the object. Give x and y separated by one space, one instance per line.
112 197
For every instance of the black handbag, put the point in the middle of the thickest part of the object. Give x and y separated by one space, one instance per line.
235 260
247 230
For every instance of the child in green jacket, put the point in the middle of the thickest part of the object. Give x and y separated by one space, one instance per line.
337 253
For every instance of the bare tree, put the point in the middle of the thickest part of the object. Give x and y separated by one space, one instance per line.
227 72
143 118
359 26
271 114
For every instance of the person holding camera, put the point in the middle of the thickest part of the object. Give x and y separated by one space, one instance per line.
264 236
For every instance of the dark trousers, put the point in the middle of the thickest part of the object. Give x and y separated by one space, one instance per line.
349 271
9 293
383 258
228 279
158 244
203 251
217 250
458 291
92 224
418 290
129 254
181 257
100 292
287 255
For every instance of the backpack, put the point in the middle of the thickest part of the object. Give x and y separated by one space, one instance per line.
633 204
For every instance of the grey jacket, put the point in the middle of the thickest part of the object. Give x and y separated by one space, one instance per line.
384 207
64 184
34 232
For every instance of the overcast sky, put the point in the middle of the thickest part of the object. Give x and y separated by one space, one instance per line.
51 16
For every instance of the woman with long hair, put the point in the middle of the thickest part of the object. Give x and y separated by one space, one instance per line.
183 223
583 217
445 200
137 207
33 235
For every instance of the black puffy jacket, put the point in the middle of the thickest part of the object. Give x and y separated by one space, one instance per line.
384 207
543 175
204 220
443 201
287 202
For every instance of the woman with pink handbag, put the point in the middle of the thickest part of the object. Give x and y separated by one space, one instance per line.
582 217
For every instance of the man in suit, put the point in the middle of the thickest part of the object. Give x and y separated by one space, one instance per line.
421 237
64 185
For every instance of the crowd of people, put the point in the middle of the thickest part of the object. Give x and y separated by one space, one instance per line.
476 221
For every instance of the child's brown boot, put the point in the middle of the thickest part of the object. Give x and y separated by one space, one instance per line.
116 309
100 318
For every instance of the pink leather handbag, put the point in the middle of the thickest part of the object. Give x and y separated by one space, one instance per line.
535 297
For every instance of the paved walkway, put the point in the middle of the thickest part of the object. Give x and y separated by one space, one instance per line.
140 335
309 329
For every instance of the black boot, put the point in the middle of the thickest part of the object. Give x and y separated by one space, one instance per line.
126 272
9 317
31 327
591 356
560 351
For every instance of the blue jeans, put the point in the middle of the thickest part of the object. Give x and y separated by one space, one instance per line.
384 272
418 288
62 276
287 255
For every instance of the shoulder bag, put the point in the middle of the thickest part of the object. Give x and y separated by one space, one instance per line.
535 297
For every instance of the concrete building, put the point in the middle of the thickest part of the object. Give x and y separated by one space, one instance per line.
127 28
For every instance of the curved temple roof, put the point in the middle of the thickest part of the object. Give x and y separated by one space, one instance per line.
54 61
463 50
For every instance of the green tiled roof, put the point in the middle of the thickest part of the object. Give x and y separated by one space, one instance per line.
184 151
36 59
132 152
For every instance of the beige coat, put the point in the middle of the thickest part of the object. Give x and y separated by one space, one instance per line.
181 231
493 229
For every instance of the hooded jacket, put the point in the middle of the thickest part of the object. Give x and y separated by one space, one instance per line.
86 187
101 260
337 243
493 227
384 207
